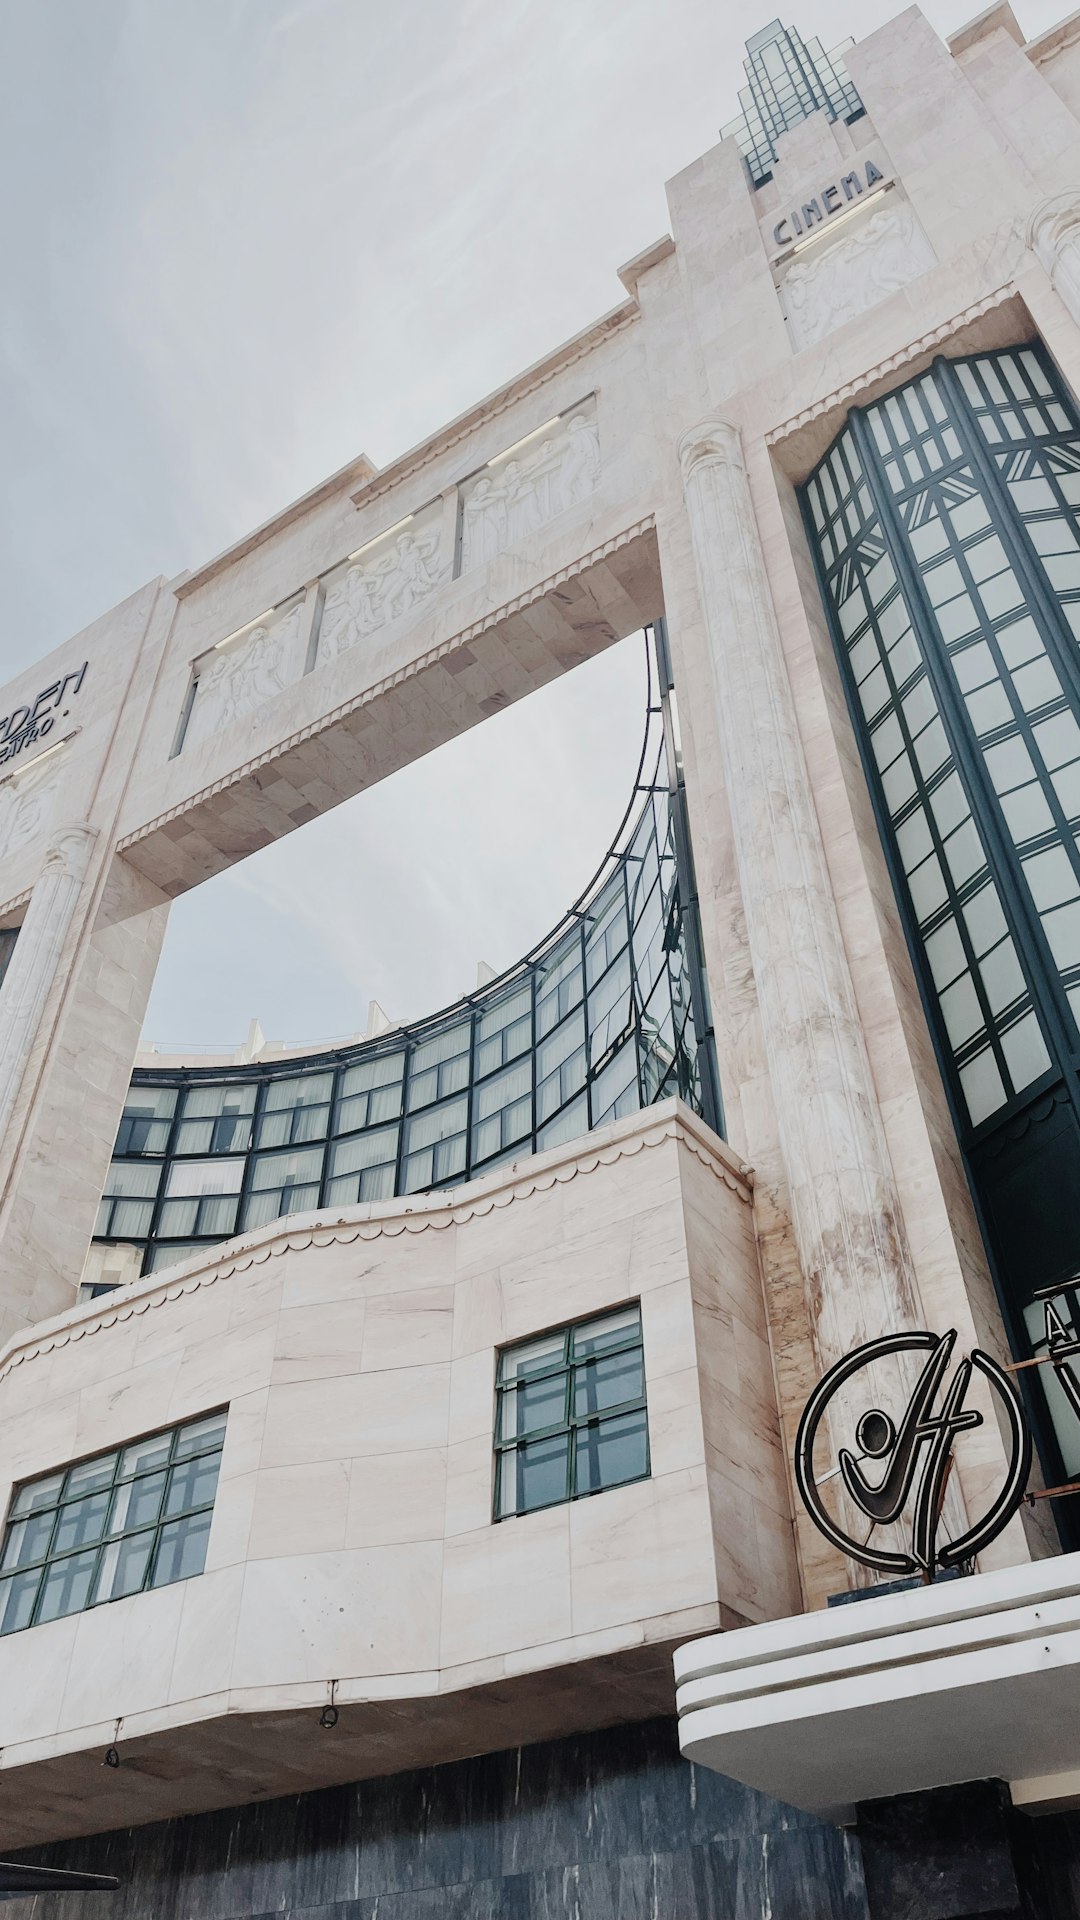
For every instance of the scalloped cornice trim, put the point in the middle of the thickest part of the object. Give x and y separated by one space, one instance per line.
379 687
17 900
912 350
423 1213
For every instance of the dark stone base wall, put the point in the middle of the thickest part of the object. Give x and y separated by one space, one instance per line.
604 1826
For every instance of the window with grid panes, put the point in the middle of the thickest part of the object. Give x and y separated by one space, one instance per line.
201 1197
216 1119
946 526
147 1118
282 1183
135 1518
522 1066
570 1414
127 1203
296 1110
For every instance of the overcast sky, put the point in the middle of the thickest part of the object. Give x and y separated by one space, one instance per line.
245 240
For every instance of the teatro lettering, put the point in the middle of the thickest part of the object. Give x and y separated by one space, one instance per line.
23 725
824 206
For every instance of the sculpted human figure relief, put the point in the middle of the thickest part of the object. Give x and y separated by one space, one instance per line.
390 579
238 678
26 806
827 288
507 504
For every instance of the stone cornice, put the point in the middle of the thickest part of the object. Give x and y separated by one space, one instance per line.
379 687
1054 41
911 351
376 481
419 1213
499 402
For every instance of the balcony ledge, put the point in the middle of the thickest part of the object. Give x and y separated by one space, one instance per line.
969 1680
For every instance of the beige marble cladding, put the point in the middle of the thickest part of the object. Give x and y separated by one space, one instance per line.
982 143
352 1538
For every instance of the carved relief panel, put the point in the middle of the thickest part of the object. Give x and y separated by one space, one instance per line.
27 802
383 580
243 671
522 489
839 278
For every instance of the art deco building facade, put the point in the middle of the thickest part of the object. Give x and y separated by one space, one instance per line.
389 1430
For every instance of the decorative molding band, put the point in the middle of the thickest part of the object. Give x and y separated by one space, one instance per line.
382 480
380 687
17 900
849 392
420 1213
1055 41
468 423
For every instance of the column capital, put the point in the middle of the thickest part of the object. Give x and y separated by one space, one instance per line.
69 851
713 442
1053 222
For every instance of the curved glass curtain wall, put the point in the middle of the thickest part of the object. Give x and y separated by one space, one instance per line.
605 1016
945 521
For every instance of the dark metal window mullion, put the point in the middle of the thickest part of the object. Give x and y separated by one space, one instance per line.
166 1167
686 892
261 1090
406 1091
1009 526
470 1096
1020 724
1030 940
886 830
328 1136
921 802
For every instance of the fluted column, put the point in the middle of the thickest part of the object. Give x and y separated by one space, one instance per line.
845 1208
33 965
1053 235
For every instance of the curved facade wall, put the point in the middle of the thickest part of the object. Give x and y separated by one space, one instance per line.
604 1017
353 1537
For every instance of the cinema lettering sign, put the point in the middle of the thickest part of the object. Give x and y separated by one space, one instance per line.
820 209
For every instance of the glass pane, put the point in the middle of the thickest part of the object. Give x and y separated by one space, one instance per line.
608 1382
123 1567
610 1452
205 1176
386 1071
192 1483
534 1475
537 1356
599 1336
136 1503
38 1494
66 1585
1025 1052
983 1087
91 1475
200 1436
81 1523
27 1541
17 1597
533 1405
307 1090
181 1550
